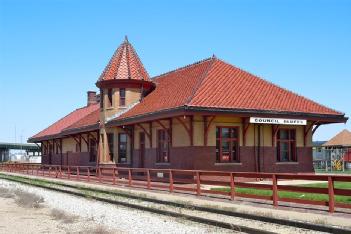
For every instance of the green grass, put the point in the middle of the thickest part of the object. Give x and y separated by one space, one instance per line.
299 195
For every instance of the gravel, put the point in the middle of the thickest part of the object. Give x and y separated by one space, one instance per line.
111 217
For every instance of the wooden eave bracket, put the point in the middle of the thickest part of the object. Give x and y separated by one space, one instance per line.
207 125
168 130
306 131
275 129
126 130
315 128
92 136
246 126
78 140
189 129
148 134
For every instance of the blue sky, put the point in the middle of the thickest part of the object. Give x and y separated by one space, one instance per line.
52 52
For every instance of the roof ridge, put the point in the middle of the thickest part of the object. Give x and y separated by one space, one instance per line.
183 67
199 83
110 62
137 57
276 85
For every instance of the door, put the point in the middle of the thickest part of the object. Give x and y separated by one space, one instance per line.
50 153
142 149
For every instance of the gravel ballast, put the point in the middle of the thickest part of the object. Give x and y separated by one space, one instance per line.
111 217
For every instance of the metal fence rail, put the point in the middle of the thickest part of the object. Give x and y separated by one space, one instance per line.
195 181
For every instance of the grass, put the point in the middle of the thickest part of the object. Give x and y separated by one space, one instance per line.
298 195
63 216
28 200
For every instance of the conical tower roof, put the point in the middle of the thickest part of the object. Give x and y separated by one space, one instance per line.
124 64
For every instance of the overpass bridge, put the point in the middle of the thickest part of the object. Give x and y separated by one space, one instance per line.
30 148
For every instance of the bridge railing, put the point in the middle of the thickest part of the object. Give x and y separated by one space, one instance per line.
230 185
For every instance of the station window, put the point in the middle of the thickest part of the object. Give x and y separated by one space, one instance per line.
57 149
122 147
101 99
227 144
122 97
163 143
92 150
286 145
78 147
110 138
44 149
109 97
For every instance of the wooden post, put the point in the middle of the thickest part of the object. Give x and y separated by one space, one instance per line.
99 170
68 172
232 188
171 187
113 176
77 173
331 194
60 172
198 188
148 179
275 190
129 177
88 174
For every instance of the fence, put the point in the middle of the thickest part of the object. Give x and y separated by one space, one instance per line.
197 182
332 159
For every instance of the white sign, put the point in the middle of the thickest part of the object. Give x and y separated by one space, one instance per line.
258 120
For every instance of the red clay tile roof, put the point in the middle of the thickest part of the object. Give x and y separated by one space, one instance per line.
125 64
89 120
65 122
343 138
212 83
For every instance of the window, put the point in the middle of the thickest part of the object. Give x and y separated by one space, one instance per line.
286 145
122 97
227 144
92 150
57 149
110 137
51 148
109 97
44 149
101 99
122 147
77 147
163 142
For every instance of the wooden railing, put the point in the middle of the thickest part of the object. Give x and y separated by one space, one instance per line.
197 182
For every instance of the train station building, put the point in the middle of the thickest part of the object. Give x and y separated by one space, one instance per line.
209 115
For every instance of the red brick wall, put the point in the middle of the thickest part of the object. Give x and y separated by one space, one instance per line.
203 158
72 159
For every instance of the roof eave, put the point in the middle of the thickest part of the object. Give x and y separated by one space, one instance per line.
88 128
65 133
189 110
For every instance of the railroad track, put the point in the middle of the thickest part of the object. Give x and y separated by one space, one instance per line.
232 220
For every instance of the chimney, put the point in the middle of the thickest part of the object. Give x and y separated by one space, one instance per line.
91 98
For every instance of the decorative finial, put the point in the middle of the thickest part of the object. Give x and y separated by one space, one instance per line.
214 56
125 38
